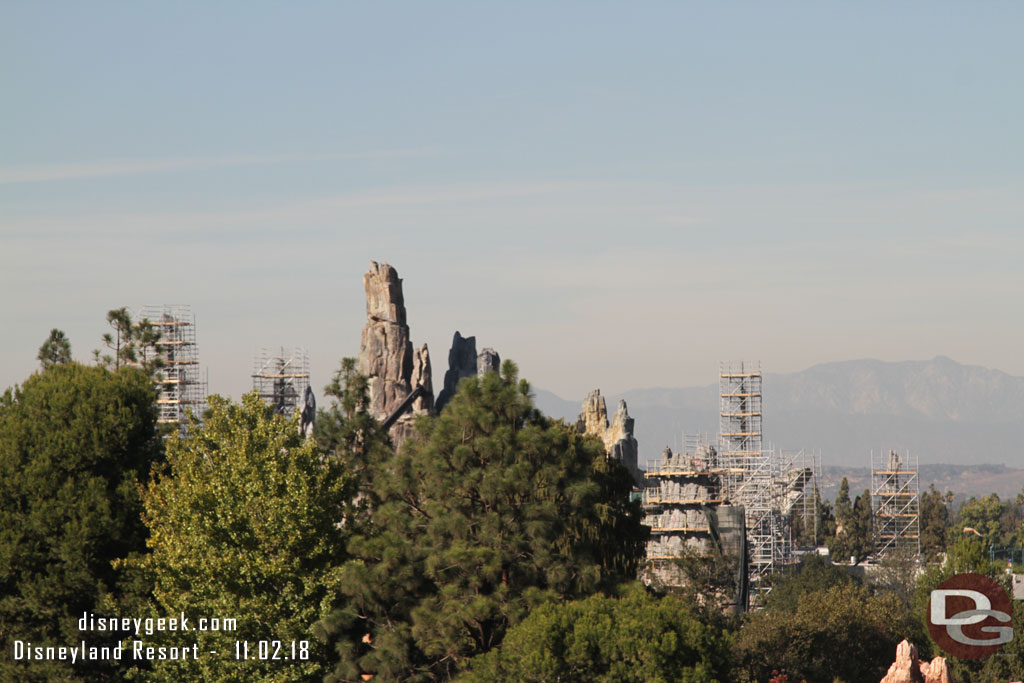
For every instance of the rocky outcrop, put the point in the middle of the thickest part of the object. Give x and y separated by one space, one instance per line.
487 361
908 669
386 355
463 361
617 437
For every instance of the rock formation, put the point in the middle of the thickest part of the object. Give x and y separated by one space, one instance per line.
386 354
463 361
488 361
908 669
617 437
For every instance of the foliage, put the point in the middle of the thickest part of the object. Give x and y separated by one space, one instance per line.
635 637
934 522
814 573
133 343
812 531
998 523
245 523
844 632
853 533
56 350
346 430
489 511
74 443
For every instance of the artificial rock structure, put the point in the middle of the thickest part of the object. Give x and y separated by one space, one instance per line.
617 437
386 355
464 361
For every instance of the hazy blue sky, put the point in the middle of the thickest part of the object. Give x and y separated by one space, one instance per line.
614 195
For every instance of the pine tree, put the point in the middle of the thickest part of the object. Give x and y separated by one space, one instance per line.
490 511
56 350
840 546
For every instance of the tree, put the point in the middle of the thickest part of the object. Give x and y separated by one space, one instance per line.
935 522
489 511
635 637
843 633
813 573
840 545
75 441
861 531
133 344
246 523
56 350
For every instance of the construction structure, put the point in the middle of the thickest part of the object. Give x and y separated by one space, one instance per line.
768 486
681 487
182 389
801 497
281 377
685 509
895 504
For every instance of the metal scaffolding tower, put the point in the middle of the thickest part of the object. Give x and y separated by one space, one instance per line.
181 388
895 502
753 474
280 377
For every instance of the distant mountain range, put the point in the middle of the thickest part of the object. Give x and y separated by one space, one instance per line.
939 410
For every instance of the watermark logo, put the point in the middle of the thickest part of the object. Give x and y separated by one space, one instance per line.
969 616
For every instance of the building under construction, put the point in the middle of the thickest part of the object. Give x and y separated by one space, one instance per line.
769 487
181 388
895 503
280 377
685 509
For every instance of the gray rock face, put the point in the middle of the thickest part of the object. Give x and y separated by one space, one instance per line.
487 361
386 355
617 437
462 360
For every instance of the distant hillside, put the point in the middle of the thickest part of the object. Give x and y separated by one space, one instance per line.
939 410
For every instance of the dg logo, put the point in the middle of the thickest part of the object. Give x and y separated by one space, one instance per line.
969 616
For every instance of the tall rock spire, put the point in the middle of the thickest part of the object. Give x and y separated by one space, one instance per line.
386 354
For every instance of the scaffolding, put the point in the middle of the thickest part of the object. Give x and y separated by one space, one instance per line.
753 474
895 503
681 489
181 388
281 377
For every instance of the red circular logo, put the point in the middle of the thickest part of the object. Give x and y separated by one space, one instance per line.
969 616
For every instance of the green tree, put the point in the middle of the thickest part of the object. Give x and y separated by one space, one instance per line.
861 536
56 350
133 343
840 545
246 523
489 511
935 522
635 637
813 573
75 441
842 633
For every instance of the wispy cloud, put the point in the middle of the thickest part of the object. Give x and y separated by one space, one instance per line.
105 168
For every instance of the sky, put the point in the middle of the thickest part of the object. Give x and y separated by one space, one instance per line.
612 194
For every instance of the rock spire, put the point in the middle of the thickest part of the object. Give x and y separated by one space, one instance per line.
617 437
386 354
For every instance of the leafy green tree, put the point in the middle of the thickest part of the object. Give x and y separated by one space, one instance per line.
842 633
814 528
75 441
56 350
635 637
246 523
813 573
489 511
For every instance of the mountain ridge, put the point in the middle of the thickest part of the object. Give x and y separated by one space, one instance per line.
938 409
